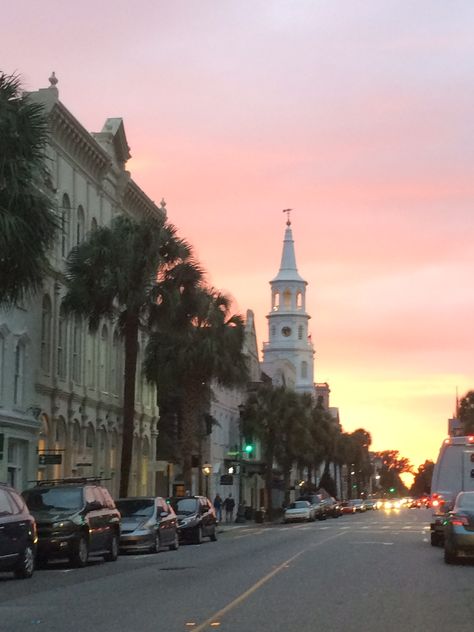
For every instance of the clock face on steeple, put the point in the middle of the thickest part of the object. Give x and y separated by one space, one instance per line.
286 331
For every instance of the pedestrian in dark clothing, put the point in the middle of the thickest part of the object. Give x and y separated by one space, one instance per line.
229 504
218 507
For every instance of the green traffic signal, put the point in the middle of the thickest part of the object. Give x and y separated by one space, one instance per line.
392 489
249 448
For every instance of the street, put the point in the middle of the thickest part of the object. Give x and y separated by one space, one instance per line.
368 572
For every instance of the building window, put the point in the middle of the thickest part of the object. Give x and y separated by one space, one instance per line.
2 356
276 301
18 377
80 225
300 332
65 215
287 299
273 330
299 300
62 343
103 359
77 350
304 369
46 334
93 224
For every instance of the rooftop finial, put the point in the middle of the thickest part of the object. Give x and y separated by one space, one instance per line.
287 211
163 204
53 80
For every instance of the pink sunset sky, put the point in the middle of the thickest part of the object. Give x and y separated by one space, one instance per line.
357 114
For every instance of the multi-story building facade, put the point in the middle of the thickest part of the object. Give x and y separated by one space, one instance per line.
60 385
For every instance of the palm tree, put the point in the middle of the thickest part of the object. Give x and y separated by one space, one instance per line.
294 434
198 343
466 412
261 417
27 218
121 273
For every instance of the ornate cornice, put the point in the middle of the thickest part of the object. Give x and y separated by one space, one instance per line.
137 202
68 134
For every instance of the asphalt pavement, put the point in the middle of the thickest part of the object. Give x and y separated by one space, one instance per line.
363 573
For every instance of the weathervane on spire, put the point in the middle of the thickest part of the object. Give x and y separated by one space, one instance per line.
287 211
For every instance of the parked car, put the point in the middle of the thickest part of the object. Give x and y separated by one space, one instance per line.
358 504
196 518
459 528
347 507
370 504
299 511
320 512
332 507
17 534
75 517
148 524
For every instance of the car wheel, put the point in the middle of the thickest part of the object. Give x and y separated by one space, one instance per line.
175 545
26 564
155 547
450 556
436 539
80 553
198 535
113 552
213 536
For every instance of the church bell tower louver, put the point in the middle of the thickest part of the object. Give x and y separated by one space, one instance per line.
289 342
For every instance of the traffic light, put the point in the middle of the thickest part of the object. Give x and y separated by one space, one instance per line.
391 490
248 449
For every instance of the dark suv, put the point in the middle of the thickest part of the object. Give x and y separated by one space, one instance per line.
74 518
17 534
196 518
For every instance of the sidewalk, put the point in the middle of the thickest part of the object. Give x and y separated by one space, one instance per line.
222 527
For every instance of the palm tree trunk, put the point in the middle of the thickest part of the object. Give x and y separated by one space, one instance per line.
269 457
188 444
286 483
130 369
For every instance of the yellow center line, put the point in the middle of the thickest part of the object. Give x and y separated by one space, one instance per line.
230 606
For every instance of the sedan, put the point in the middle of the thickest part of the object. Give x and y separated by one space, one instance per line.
298 511
18 537
459 529
148 524
347 508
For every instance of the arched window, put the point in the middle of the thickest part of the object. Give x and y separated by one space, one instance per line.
300 332
104 335
93 224
19 374
299 300
46 334
62 343
60 445
304 369
80 225
90 437
287 299
116 365
77 350
65 215
138 378
76 448
276 301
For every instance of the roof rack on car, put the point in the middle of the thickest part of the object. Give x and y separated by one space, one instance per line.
70 481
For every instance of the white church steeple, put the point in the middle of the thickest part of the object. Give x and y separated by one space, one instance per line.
288 356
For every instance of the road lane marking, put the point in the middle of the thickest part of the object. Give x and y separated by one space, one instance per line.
230 606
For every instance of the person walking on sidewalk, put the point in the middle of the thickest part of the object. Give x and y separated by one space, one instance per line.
218 507
229 504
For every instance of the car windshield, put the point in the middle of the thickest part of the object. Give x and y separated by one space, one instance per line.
356 502
299 504
136 507
54 498
184 506
466 501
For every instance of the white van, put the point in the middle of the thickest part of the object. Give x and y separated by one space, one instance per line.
453 473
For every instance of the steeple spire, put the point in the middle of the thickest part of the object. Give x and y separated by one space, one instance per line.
288 270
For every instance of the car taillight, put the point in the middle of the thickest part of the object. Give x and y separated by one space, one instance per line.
471 439
459 521
435 503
